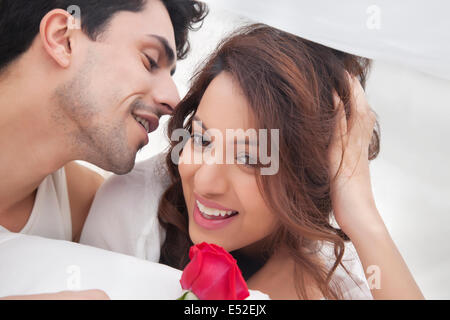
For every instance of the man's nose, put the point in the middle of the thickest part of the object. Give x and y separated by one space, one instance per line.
165 94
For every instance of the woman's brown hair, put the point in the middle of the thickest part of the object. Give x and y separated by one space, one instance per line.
289 83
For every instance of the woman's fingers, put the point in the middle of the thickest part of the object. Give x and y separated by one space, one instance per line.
352 137
362 120
339 139
362 115
342 123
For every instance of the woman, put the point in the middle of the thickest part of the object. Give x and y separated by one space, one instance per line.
275 225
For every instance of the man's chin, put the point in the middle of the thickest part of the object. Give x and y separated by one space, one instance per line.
121 166
123 171
124 166
141 146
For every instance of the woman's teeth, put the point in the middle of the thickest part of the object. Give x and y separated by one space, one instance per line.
214 212
143 122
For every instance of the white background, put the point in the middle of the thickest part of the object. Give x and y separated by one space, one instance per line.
409 88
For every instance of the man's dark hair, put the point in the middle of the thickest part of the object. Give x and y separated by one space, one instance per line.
20 20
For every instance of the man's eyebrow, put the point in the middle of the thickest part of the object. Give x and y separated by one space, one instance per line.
170 54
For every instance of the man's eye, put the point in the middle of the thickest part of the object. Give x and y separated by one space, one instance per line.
151 62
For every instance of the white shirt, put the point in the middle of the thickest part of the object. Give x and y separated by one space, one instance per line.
124 218
50 216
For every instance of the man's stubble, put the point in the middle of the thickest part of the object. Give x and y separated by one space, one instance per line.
81 113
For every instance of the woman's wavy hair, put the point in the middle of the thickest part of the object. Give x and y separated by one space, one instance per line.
289 83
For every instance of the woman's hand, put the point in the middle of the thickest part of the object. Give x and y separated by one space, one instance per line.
354 205
351 191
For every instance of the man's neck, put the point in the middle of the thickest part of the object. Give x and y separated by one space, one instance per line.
32 146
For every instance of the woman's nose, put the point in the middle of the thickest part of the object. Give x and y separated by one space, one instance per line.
211 180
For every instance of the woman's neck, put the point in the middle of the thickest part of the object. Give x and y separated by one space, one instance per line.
248 264
276 278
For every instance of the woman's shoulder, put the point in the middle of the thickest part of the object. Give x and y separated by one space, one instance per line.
124 214
353 284
152 171
149 177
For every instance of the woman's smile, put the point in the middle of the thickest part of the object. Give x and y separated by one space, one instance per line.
210 215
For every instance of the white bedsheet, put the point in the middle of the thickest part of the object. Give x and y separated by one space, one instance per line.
31 265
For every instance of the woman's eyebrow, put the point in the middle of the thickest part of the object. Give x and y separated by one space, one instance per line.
195 118
246 141
168 51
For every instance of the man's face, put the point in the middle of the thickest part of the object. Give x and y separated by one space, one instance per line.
120 86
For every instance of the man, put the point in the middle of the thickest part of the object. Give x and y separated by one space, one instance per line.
89 88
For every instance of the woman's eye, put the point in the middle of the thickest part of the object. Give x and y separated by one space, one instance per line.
200 140
246 160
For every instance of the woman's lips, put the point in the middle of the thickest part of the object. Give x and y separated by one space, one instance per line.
213 223
210 204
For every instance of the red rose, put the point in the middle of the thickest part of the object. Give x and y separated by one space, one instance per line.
213 274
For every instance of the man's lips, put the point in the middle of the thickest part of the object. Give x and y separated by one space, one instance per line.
165 109
151 118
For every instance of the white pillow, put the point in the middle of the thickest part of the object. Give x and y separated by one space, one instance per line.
32 265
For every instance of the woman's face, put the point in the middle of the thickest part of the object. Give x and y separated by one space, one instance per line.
212 189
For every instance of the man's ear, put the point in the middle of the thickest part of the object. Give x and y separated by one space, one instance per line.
56 35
